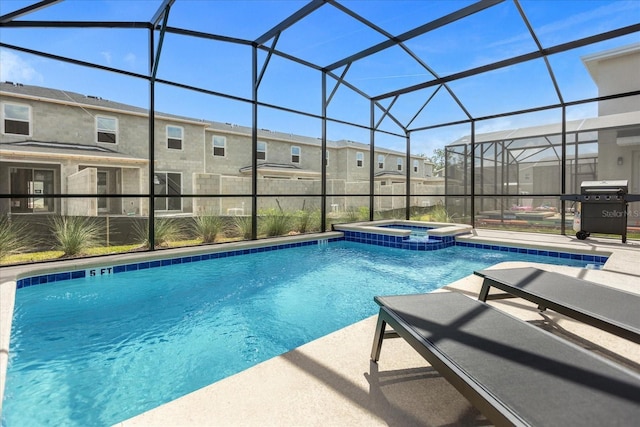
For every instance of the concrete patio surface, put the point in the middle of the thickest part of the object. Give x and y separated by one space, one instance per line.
331 381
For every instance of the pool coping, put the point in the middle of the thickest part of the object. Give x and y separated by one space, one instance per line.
11 275
385 227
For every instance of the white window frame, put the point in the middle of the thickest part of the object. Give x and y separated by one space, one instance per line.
416 165
400 164
295 148
105 130
380 161
258 150
181 139
359 159
223 147
29 120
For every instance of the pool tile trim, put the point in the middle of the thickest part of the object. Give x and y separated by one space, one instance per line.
596 259
440 242
121 268
399 242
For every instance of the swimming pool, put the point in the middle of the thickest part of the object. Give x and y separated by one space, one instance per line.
101 349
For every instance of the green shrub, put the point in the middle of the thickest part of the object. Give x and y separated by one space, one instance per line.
73 235
307 221
207 227
440 214
165 230
243 226
275 223
363 213
352 215
15 237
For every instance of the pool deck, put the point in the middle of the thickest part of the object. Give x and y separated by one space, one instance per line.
331 381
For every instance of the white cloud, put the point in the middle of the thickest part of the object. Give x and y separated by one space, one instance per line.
106 56
130 58
15 69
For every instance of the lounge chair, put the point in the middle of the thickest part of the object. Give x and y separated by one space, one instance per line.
604 307
513 372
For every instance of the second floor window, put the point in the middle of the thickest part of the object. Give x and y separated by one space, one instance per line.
399 163
219 146
262 150
326 158
16 119
380 161
174 137
295 154
415 166
107 128
359 159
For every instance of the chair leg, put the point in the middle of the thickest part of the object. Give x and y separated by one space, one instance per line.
378 338
484 291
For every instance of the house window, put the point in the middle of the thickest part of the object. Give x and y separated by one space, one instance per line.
359 159
400 164
107 129
326 158
380 161
415 166
262 150
219 146
169 185
295 154
16 119
174 137
36 182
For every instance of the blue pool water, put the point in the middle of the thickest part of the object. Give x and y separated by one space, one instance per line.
96 351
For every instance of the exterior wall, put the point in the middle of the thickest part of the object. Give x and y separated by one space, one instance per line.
206 184
83 182
611 72
237 154
342 166
356 173
608 153
132 180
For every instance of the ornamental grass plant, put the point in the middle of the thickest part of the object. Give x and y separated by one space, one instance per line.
73 235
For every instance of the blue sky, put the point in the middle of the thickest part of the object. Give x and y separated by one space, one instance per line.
325 37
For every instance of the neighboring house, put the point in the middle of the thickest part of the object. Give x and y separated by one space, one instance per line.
58 142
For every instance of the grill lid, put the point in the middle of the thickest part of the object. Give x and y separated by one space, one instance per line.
620 186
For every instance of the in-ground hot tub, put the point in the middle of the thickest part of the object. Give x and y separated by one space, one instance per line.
404 234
